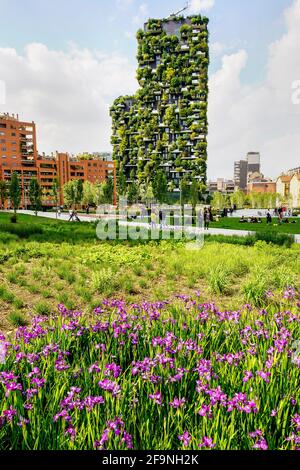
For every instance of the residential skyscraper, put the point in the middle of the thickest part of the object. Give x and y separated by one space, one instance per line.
163 127
253 159
241 174
243 168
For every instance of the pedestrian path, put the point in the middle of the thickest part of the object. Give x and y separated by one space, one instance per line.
92 218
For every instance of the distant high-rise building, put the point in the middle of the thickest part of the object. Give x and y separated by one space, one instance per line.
253 159
221 185
241 174
243 168
163 128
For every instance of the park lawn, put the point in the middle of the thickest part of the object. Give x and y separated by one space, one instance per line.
5 218
233 223
66 263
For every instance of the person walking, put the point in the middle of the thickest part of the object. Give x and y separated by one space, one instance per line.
160 217
206 219
76 216
269 218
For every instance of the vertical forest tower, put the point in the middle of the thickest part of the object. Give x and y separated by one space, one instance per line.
163 127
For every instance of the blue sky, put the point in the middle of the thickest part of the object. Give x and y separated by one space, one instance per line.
64 61
108 26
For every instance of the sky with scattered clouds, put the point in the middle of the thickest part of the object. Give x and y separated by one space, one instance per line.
63 63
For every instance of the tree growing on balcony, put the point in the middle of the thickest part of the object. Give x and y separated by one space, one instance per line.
35 195
15 191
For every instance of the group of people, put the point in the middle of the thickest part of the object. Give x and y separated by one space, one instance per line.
226 211
251 220
279 213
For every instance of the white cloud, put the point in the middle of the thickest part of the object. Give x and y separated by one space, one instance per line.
259 117
200 5
67 94
124 3
141 15
217 48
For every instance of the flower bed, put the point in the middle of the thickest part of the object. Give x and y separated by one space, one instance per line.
167 375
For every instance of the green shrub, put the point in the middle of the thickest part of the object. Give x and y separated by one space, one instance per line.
5 295
255 289
18 303
103 280
218 280
17 319
67 275
43 309
281 239
8 238
22 231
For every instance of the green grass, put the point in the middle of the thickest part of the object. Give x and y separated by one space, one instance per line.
233 223
17 319
67 264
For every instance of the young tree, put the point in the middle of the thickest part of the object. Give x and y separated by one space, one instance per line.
69 193
15 191
149 194
89 193
35 195
3 193
218 201
133 193
194 193
55 192
238 198
99 195
185 191
108 191
160 186
78 184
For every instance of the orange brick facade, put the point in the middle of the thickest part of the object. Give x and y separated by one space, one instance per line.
262 187
18 153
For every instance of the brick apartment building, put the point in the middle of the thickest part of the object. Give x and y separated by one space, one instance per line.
18 153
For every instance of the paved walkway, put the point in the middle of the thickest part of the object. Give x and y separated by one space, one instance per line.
93 218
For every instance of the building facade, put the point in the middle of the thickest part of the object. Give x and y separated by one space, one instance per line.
295 189
262 187
19 154
253 160
244 168
288 186
241 174
221 185
164 126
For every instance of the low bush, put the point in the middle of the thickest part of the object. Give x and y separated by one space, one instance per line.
281 239
22 230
